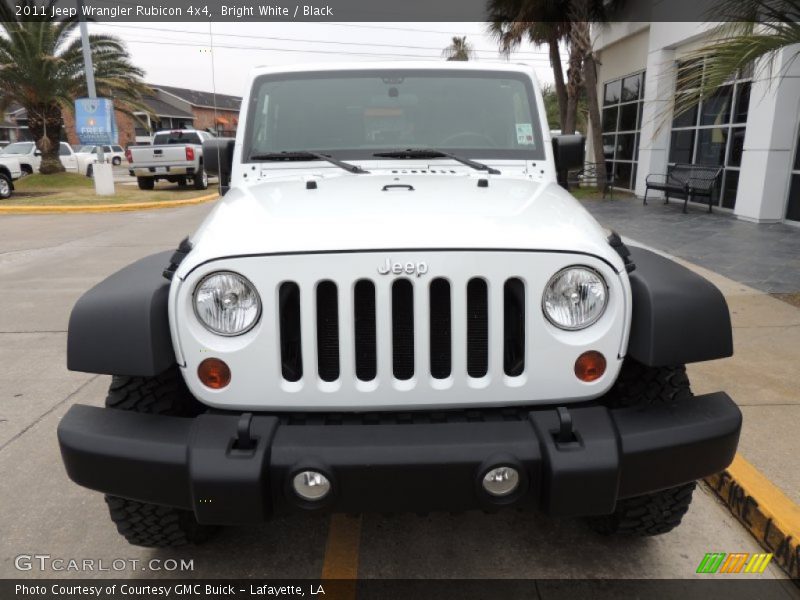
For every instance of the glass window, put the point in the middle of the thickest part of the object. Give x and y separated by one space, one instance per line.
64 150
793 207
737 147
622 115
716 110
19 148
608 147
681 146
713 134
742 102
358 113
630 88
623 172
610 119
613 92
625 143
730 188
711 144
687 118
627 116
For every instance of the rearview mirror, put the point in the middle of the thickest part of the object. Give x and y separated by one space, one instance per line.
218 160
568 153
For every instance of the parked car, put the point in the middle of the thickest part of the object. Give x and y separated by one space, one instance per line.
111 154
10 171
30 158
396 308
176 156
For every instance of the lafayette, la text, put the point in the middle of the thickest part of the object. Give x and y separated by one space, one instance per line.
164 591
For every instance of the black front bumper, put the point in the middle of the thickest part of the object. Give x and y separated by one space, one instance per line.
194 463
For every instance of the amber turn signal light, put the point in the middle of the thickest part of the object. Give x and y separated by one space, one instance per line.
214 373
590 366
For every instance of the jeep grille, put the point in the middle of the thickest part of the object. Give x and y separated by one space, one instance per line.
435 310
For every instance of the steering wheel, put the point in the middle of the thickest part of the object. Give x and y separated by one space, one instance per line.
467 135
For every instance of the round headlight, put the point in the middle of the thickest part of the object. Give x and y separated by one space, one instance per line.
575 298
226 303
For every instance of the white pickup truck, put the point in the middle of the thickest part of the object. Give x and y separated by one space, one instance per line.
176 156
396 308
10 169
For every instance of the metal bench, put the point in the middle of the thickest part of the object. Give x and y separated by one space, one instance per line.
588 175
685 181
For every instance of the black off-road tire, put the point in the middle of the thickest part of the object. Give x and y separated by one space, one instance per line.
140 523
146 183
116 161
659 512
652 514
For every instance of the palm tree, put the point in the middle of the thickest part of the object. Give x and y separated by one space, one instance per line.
754 32
459 49
41 69
541 22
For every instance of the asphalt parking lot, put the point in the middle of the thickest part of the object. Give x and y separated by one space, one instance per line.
48 261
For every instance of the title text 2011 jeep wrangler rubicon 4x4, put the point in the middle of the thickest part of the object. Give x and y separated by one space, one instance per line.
396 308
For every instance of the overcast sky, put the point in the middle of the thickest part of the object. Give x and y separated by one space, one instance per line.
180 54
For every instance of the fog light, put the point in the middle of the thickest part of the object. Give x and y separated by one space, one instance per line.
590 366
311 485
214 373
501 481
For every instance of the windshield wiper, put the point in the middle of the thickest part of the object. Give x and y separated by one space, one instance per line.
308 155
434 153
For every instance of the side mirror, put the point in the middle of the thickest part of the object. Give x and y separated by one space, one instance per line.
37 152
569 153
218 160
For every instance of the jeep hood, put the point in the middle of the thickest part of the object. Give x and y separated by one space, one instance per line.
357 212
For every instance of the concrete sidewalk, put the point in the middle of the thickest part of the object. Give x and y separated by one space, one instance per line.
762 374
765 257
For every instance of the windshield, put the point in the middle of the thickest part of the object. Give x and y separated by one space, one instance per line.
18 148
353 114
177 137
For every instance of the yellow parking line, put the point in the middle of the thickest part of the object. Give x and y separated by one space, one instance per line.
341 551
21 209
767 513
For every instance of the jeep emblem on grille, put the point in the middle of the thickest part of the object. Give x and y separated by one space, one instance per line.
399 268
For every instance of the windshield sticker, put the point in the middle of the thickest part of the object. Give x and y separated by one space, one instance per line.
524 134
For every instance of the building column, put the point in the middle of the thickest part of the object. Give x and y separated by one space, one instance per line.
769 141
654 135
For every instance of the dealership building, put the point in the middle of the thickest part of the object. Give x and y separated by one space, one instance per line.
750 127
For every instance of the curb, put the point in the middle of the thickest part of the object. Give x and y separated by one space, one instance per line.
764 510
99 208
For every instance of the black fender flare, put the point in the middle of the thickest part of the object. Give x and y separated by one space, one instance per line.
678 317
121 325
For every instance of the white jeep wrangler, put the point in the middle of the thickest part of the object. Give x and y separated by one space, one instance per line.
395 307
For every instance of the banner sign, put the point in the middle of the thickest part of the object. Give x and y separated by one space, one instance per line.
95 122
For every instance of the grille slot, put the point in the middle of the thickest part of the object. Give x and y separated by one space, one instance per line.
289 324
441 332
403 329
514 327
314 326
477 328
327 331
364 330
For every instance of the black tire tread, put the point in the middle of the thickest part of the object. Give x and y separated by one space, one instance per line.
659 512
155 526
638 385
648 515
140 523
